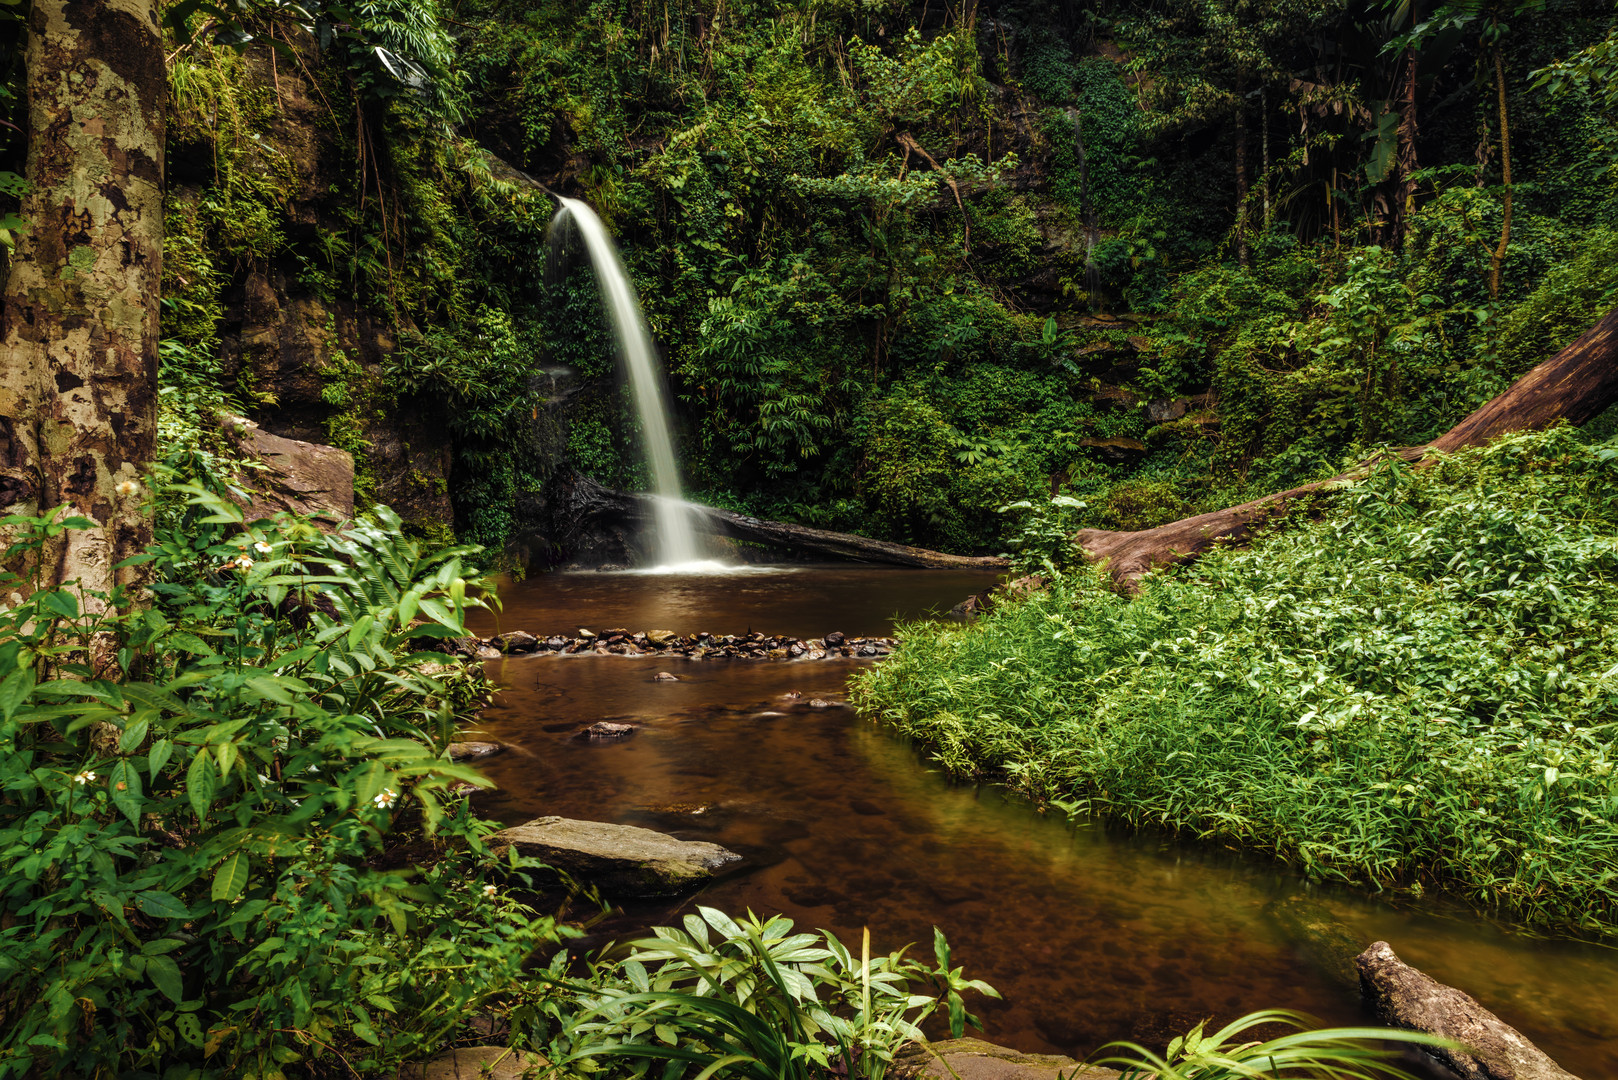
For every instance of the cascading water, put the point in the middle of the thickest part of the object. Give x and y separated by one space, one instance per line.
675 544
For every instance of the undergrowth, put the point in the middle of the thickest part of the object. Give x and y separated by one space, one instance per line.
1416 691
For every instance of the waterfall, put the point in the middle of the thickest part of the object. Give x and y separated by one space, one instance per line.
675 541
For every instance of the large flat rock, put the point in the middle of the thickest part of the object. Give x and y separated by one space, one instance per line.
621 860
476 1063
974 1059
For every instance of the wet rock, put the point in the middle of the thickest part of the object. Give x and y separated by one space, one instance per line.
835 638
792 695
475 1062
518 641
816 654
661 638
607 730
488 652
867 650
621 860
556 644
585 635
469 751
663 676
974 1059
819 703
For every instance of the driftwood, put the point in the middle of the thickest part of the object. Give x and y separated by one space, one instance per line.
1575 385
1403 997
592 506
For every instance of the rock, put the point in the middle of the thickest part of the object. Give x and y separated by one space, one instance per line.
661 638
663 676
488 652
819 703
970 608
518 641
468 751
1119 450
1403 997
477 1063
304 477
816 654
1164 410
795 650
792 695
974 1059
605 729
835 638
584 634
623 861
867 650
1319 936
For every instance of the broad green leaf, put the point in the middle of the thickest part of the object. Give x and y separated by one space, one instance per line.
158 756
14 691
126 790
201 783
165 975
231 878
161 905
134 734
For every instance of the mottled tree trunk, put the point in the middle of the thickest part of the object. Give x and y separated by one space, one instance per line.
78 379
1406 199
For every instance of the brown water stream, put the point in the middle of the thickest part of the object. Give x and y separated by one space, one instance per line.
1090 935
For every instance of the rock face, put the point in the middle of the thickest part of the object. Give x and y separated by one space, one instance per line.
1406 998
305 478
623 861
477 1063
974 1059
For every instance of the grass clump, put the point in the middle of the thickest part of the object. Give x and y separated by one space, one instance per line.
1415 691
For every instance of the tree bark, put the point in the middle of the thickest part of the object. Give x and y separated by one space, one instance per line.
78 384
1403 997
1406 200
1499 255
1242 258
1575 385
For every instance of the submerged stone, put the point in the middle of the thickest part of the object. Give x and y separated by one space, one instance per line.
974 1059
470 1062
467 751
622 860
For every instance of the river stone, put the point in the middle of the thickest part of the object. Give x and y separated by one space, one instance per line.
974 1059
518 641
474 1062
834 638
606 729
622 860
488 652
663 676
660 638
466 751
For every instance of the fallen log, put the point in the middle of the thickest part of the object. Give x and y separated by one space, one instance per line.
1490 1049
1575 385
593 506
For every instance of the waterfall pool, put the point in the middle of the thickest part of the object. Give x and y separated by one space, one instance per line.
1090 934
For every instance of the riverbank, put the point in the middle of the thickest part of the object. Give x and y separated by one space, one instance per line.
1414 692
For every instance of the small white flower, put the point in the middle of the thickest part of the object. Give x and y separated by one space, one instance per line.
262 548
386 798
127 488
242 563
84 777
490 890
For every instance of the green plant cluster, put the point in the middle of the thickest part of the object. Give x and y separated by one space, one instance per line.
196 792
1415 691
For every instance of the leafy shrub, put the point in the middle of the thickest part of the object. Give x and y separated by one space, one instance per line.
1415 691
195 793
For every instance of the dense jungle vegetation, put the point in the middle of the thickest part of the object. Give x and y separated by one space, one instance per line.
909 263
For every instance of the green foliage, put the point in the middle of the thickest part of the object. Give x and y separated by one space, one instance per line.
1415 691
194 794
749 998
1306 1054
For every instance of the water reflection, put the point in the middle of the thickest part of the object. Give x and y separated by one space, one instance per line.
1091 936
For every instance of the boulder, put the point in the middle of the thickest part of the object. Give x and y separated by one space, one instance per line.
623 861
661 638
1490 1049
477 1063
663 676
518 641
835 638
468 751
974 1059
303 477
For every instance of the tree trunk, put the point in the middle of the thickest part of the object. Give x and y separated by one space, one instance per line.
1499 255
1575 385
590 506
1406 200
1403 997
78 386
1241 171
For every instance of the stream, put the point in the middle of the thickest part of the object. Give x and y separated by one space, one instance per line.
1091 934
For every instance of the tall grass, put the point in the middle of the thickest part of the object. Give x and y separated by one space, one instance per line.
1419 690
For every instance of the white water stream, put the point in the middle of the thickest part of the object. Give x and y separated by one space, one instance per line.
675 548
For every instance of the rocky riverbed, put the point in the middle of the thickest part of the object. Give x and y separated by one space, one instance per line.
703 646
